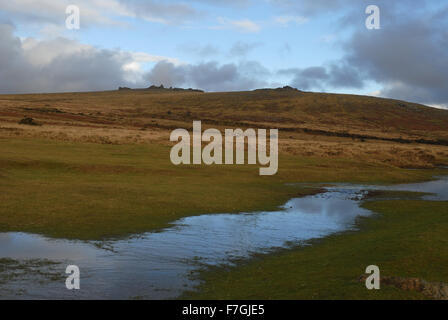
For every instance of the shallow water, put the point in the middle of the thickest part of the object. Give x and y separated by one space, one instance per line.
160 265
437 189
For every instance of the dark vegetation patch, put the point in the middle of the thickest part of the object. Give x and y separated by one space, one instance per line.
392 195
434 290
29 122
42 270
44 110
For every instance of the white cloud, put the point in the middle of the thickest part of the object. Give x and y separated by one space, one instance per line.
159 11
287 20
244 25
53 12
142 57
97 12
40 53
438 106
376 93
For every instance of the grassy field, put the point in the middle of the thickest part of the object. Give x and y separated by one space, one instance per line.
96 191
405 239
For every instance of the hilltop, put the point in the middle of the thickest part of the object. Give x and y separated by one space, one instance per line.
161 89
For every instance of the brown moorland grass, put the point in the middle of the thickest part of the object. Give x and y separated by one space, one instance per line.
311 124
285 109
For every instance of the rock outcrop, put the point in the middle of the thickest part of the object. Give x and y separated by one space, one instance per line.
435 290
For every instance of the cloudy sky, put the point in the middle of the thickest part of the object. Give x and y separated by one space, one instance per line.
222 45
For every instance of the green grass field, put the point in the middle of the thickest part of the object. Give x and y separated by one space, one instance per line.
96 191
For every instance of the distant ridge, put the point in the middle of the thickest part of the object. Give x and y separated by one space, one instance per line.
280 89
160 88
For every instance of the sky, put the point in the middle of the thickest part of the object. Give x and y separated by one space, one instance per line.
227 45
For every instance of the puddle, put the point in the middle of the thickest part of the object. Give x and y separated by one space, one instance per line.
438 189
159 265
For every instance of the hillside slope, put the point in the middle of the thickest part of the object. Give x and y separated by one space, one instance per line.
339 125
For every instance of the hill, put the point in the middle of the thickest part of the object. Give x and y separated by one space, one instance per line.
396 132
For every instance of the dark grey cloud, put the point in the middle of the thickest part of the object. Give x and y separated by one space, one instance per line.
343 75
350 14
210 76
408 56
167 73
74 68
321 78
307 78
